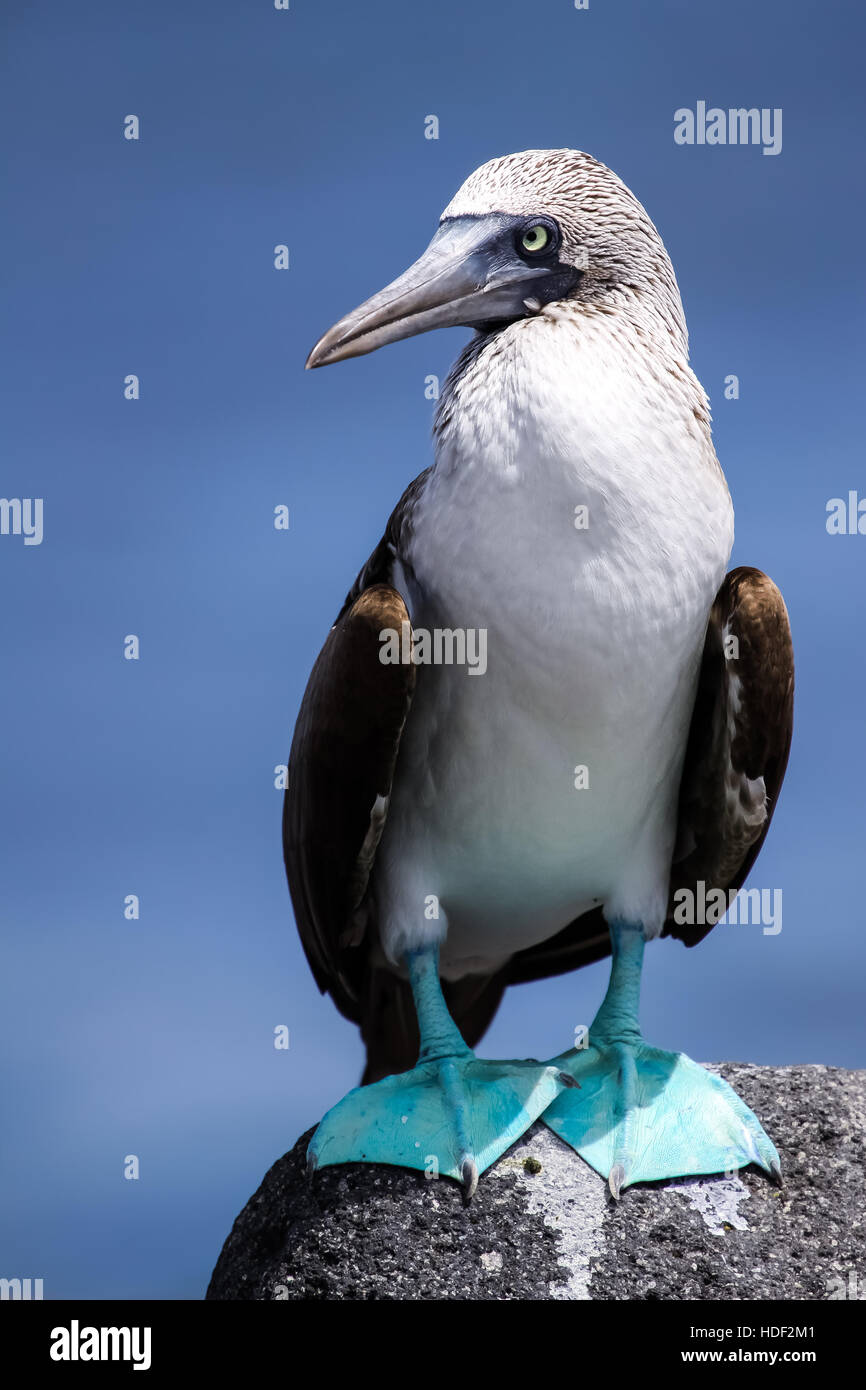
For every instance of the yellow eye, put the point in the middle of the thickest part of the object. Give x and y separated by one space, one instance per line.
535 238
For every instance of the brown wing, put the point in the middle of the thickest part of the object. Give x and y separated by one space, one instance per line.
739 740
341 768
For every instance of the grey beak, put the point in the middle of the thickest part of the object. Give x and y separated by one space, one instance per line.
470 274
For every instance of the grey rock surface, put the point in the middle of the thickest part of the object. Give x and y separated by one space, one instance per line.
552 1232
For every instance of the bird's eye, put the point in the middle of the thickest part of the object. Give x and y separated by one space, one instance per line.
536 238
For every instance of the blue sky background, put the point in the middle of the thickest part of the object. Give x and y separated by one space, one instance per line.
156 777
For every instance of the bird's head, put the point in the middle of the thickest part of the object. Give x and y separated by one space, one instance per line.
524 231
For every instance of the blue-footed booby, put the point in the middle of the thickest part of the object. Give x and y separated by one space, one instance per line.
449 831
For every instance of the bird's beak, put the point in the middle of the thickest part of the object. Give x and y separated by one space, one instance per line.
470 274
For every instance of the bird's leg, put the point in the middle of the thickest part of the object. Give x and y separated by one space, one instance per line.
642 1114
440 1036
453 1114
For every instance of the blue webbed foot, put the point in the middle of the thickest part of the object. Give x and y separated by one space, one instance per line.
453 1116
643 1114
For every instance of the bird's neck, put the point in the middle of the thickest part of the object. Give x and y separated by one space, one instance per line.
574 398
573 457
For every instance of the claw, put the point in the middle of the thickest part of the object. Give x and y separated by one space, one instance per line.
616 1180
469 1177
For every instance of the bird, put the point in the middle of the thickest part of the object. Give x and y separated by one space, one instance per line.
455 826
